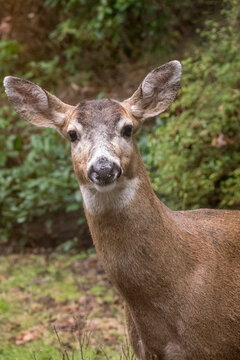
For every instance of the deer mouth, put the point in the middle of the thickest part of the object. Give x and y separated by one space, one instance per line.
105 188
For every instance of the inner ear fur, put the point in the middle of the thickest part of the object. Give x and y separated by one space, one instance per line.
157 91
35 104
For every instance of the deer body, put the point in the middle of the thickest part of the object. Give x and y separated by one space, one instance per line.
178 272
172 274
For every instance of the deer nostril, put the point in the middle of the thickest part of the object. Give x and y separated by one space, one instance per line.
96 175
119 172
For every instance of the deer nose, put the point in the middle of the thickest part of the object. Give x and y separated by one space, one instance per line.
104 172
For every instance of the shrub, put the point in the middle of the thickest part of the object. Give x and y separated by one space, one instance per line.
106 32
36 176
193 156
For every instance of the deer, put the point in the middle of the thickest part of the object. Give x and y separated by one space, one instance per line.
178 272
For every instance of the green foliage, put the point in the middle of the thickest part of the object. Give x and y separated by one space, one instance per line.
36 176
109 31
194 156
9 50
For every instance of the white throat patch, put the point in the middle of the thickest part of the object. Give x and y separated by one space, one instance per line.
115 199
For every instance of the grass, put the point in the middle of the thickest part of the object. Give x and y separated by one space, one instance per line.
58 307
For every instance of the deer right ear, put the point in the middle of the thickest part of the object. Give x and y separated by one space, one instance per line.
156 93
35 104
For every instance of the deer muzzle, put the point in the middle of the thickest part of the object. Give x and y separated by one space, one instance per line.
104 172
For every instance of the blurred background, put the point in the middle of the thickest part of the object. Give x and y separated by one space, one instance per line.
85 49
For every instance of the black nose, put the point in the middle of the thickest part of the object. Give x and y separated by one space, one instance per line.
104 172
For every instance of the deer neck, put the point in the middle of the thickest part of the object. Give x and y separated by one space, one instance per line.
127 226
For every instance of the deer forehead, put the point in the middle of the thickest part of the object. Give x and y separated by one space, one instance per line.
98 116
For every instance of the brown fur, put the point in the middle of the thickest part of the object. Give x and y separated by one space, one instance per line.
179 274
90 113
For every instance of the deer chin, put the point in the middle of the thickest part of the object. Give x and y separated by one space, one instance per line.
105 188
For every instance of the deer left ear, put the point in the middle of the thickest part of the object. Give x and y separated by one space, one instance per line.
35 104
157 91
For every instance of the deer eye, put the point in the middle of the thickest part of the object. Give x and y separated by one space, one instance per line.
127 130
73 135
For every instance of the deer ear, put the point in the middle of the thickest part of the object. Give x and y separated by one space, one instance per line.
35 104
157 91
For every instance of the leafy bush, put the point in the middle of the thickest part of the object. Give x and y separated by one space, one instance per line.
9 50
81 35
106 32
194 156
36 176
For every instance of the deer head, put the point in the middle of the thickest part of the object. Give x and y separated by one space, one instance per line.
100 131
